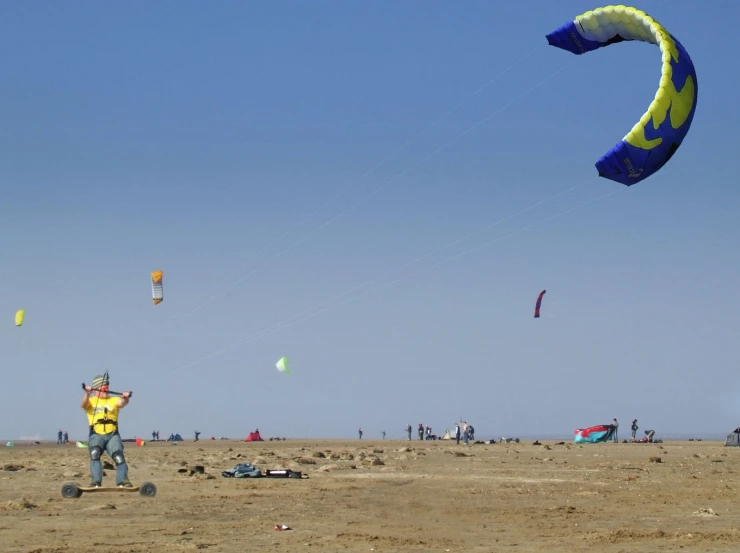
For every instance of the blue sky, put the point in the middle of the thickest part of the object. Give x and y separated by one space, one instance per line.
187 138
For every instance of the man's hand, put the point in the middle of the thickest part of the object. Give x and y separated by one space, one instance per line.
88 389
126 395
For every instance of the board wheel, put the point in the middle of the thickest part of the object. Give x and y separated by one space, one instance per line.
71 490
148 489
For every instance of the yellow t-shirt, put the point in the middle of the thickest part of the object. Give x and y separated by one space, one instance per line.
103 410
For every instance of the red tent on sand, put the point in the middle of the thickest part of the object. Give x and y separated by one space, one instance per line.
254 437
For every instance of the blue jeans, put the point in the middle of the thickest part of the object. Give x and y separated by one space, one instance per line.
110 443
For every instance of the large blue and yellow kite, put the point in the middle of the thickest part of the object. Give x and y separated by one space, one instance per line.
660 131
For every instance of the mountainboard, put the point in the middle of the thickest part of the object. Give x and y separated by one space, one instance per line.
73 490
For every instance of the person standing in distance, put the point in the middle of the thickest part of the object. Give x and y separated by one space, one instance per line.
616 431
102 418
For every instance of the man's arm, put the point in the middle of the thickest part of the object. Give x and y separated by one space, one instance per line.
86 398
123 402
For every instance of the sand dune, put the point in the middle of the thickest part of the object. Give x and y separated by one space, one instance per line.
380 496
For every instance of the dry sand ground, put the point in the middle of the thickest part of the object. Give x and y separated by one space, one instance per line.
381 496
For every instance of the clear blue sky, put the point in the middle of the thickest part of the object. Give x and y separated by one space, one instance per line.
187 138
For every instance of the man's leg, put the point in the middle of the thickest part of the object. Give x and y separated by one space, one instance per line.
96 446
115 450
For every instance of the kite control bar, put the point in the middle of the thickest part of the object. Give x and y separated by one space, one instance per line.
109 392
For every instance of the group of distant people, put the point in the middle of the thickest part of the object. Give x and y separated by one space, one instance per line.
648 433
62 437
361 432
173 437
422 432
465 431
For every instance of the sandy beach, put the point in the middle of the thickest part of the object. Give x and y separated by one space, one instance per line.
386 495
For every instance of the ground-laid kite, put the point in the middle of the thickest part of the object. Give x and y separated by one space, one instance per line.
595 434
